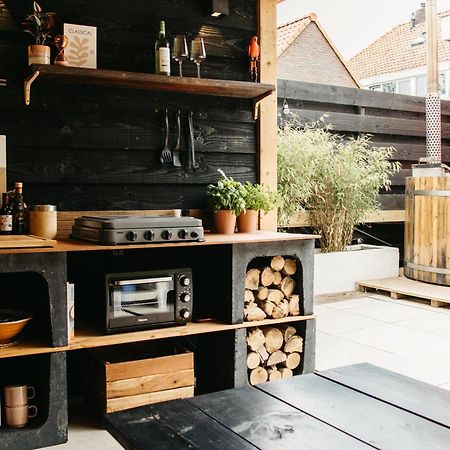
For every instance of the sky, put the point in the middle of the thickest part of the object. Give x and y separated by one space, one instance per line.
354 24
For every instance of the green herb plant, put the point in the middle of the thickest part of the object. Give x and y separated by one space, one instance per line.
256 198
336 180
39 24
227 194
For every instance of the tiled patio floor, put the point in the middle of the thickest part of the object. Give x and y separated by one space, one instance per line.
407 337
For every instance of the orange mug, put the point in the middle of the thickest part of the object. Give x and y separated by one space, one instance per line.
17 416
18 395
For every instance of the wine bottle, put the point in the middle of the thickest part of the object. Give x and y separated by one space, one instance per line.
6 218
162 51
19 214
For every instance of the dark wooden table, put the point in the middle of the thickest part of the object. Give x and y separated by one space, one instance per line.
353 407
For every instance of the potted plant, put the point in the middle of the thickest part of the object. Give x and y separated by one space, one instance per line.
226 198
337 181
39 25
256 199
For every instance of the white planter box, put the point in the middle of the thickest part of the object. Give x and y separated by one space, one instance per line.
340 271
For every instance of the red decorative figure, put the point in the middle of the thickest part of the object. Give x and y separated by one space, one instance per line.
253 54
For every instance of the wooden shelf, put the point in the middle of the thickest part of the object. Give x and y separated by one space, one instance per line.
144 81
90 339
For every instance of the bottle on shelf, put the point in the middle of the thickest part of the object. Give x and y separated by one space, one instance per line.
6 217
19 211
162 52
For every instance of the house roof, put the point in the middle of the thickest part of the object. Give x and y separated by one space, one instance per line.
393 52
290 31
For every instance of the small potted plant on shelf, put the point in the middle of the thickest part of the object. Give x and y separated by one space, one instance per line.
256 199
227 200
39 25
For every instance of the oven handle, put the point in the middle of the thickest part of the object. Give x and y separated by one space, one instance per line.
141 281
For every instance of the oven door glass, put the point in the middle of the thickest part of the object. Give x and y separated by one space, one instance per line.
141 301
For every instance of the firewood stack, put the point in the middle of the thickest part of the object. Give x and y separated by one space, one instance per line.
273 353
269 292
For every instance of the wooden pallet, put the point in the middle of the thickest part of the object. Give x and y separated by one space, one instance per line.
402 287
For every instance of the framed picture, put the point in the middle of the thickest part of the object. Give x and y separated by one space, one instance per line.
81 50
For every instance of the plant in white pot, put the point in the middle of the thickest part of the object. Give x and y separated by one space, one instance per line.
256 199
39 25
336 180
226 198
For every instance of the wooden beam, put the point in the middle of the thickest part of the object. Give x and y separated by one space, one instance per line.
267 123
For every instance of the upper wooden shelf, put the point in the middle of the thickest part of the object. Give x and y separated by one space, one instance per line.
144 81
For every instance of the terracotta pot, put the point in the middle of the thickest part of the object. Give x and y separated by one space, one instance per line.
38 54
247 221
225 221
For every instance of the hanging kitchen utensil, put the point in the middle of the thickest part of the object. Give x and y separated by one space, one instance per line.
176 150
166 155
191 146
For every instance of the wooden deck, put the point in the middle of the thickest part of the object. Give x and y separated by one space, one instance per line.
353 407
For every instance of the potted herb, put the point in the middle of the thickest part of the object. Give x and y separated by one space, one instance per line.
226 198
39 25
256 199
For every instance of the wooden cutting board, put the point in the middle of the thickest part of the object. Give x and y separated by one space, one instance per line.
25 241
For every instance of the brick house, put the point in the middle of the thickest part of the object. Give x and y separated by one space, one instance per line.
306 53
396 62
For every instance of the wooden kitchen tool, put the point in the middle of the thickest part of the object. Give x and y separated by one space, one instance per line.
25 241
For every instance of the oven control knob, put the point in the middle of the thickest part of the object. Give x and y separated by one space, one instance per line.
149 235
183 234
185 281
185 314
185 298
166 235
194 234
131 236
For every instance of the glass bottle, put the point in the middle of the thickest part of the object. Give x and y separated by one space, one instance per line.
19 213
6 217
162 52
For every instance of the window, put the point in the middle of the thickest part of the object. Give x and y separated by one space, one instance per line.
442 86
404 87
421 85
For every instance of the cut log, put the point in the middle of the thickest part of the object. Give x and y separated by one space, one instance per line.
275 358
273 373
294 344
253 360
292 361
277 263
286 372
255 338
277 277
275 296
258 376
262 293
267 307
288 331
274 339
267 276
294 305
248 296
252 279
278 313
284 305
287 286
263 355
251 305
253 314
290 267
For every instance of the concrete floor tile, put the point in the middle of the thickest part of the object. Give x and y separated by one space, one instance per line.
351 303
445 386
391 338
434 323
436 353
388 312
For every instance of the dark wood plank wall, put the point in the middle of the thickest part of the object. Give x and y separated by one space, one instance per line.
89 148
392 120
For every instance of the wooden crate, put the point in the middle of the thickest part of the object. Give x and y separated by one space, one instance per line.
122 384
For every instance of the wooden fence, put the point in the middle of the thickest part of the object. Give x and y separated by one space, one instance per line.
392 120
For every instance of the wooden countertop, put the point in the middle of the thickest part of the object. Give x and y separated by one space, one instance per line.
71 245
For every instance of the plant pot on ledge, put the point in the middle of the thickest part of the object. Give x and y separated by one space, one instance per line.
38 54
224 221
247 221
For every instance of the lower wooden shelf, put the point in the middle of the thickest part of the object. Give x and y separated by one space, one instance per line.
89 338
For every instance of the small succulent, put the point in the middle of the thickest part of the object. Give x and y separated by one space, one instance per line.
39 24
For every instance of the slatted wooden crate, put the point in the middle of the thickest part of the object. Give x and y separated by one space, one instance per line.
123 384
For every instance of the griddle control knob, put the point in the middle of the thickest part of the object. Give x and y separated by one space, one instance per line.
131 236
149 235
185 314
194 234
166 235
183 234
185 281
185 298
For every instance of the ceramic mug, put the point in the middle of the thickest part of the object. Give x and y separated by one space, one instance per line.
17 416
18 395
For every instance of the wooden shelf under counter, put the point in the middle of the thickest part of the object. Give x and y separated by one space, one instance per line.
89 338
